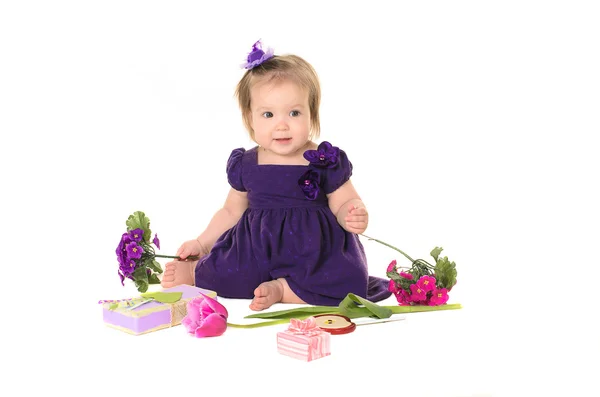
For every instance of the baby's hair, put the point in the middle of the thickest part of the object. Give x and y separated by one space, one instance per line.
279 68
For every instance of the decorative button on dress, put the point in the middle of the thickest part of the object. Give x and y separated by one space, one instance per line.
289 231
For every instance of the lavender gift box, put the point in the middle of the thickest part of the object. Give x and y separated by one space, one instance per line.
152 316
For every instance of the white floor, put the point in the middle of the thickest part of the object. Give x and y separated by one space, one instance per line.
474 351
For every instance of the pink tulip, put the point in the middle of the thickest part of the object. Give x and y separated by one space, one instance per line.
205 317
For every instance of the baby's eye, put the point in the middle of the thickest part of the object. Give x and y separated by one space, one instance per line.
294 113
267 115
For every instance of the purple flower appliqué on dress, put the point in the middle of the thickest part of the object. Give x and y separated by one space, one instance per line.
326 155
309 183
257 56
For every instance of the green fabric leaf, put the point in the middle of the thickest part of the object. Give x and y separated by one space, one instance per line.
295 313
283 316
154 265
348 307
164 297
113 306
139 220
436 252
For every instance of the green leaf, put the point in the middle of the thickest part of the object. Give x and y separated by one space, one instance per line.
445 272
142 286
266 323
153 279
164 297
436 252
139 220
140 274
394 276
154 265
113 306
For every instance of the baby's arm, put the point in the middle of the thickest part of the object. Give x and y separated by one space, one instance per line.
349 209
223 220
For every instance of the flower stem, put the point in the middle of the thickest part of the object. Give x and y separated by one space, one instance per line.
391 246
189 258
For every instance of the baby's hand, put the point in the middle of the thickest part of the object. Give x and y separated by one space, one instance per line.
191 248
357 219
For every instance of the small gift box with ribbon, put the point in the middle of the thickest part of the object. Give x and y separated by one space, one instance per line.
304 340
151 311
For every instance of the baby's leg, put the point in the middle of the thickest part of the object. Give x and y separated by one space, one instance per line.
271 292
178 272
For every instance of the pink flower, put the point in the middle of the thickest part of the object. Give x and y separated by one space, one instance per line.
403 297
392 287
438 297
427 283
205 317
417 293
392 266
407 276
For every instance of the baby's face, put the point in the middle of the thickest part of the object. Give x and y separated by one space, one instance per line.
280 116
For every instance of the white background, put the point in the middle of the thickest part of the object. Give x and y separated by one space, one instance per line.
470 126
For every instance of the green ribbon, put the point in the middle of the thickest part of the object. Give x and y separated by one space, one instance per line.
163 297
352 306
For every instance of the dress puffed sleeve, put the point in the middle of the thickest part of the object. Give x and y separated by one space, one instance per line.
338 175
234 169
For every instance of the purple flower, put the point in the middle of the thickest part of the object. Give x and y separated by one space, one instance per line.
122 277
126 270
136 234
309 183
134 251
156 241
326 155
121 251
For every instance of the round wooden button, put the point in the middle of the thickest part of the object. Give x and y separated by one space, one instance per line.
335 324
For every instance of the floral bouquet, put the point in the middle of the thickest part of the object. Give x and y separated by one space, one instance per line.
422 283
135 254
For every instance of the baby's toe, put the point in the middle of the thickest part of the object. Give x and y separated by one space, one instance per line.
258 303
260 291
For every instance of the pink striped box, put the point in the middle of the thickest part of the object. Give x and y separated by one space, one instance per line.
304 341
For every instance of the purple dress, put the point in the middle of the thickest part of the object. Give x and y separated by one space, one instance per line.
288 231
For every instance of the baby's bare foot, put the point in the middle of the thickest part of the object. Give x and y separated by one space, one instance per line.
266 294
178 272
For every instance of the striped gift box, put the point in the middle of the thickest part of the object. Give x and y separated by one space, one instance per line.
304 341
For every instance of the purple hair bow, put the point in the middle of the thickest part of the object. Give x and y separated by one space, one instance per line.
257 56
